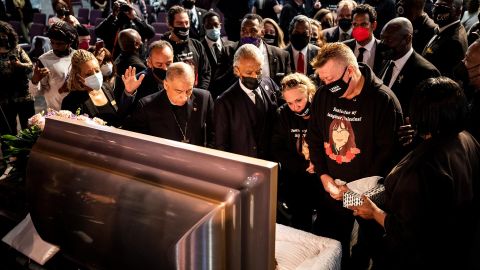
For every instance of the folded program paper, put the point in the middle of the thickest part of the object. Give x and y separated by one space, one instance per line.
25 239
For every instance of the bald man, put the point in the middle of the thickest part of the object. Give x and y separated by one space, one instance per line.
130 43
409 67
180 112
447 48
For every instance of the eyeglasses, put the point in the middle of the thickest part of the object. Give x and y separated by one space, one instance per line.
291 83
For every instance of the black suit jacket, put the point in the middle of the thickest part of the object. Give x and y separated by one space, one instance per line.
123 61
415 70
222 76
279 63
447 49
377 61
198 33
239 127
154 116
331 34
150 85
312 51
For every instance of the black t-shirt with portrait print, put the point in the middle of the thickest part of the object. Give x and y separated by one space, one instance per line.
192 52
352 139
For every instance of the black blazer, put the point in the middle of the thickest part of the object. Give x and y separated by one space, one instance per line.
222 76
447 49
331 34
312 51
150 85
279 62
200 32
239 127
123 61
415 70
154 116
377 61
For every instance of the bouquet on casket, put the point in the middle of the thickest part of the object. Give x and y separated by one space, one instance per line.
19 146
368 186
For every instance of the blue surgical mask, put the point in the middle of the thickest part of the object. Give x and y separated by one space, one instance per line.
213 34
94 81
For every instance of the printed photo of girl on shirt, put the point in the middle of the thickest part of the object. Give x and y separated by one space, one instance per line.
341 146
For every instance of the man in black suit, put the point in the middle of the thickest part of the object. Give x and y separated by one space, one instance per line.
220 55
244 113
343 30
276 62
410 68
130 43
364 44
147 82
300 50
448 47
423 25
196 15
180 113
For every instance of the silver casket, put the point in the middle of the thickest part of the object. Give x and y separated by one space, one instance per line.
114 199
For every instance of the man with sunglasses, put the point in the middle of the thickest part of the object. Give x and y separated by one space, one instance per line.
352 134
447 48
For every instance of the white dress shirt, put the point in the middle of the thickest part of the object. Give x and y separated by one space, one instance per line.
212 43
266 64
399 63
369 54
295 56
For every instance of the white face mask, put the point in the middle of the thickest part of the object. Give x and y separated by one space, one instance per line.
94 81
107 69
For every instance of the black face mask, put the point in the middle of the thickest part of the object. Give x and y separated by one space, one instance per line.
299 41
338 87
4 43
251 83
181 32
160 73
441 15
386 52
306 111
270 39
345 24
188 4
313 40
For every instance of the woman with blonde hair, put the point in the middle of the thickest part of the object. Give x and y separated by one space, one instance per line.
87 92
317 36
298 185
273 33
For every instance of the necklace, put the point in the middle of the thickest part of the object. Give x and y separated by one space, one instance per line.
184 134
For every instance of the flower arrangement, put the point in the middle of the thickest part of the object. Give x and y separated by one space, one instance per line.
20 145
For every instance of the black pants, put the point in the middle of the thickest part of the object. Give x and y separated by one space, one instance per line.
9 112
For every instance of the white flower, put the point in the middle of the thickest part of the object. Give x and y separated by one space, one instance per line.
65 114
99 121
37 120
